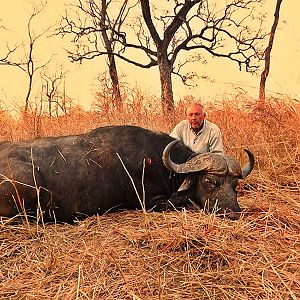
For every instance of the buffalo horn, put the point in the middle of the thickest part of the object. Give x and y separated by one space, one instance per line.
247 169
171 166
212 162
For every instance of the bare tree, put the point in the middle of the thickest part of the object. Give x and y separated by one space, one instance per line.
50 90
160 34
199 25
267 58
97 22
28 64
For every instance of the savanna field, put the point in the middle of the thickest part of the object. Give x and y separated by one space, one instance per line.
174 254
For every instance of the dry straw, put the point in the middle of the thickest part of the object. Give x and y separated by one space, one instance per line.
176 254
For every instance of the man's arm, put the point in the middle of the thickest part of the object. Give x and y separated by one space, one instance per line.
176 132
216 143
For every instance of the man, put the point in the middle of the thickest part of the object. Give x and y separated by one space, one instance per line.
199 134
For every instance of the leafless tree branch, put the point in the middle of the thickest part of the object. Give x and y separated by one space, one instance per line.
229 30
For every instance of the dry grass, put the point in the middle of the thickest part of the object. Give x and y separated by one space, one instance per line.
171 255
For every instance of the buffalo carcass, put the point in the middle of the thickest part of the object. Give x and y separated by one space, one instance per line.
75 176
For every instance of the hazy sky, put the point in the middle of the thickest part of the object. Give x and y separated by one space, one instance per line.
284 75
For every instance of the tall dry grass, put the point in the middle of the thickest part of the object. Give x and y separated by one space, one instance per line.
170 255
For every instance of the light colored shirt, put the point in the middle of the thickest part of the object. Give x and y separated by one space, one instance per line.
208 139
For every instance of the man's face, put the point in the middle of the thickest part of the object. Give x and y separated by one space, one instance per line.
195 116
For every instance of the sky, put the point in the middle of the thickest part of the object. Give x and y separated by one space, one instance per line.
81 82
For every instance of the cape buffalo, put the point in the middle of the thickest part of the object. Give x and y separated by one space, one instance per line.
105 169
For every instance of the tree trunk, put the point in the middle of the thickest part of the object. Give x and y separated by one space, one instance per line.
112 67
30 76
116 94
165 72
265 73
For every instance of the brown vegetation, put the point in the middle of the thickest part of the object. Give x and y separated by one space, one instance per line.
170 255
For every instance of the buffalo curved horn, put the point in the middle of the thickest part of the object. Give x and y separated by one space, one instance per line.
247 169
171 166
199 162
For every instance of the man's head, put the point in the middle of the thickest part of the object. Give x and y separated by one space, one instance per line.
195 116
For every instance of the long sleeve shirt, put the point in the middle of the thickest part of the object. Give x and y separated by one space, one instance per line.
208 139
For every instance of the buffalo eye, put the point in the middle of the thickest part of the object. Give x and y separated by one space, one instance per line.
210 183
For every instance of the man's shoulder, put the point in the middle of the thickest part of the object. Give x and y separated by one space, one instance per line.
180 129
212 125
183 123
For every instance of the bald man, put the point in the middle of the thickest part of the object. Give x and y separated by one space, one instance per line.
199 134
